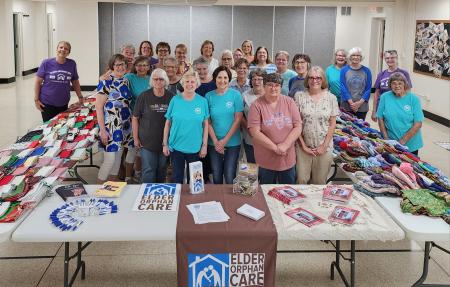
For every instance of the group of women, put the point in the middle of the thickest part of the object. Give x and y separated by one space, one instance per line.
167 108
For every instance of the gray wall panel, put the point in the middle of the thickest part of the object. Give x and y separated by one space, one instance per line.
254 23
289 22
320 34
105 34
169 24
130 24
211 23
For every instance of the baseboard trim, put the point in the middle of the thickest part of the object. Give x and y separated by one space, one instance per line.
437 118
7 80
29 72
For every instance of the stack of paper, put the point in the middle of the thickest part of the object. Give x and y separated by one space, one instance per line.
250 212
206 212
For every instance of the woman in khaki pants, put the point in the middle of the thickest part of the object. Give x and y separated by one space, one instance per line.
318 110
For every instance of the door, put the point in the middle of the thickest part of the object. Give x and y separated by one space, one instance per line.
51 35
18 57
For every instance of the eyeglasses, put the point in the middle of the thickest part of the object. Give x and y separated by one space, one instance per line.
316 79
257 79
120 64
163 50
226 59
356 56
142 65
158 79
340 56
169 67
273 85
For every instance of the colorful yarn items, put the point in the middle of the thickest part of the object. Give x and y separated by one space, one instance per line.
407 169
400 175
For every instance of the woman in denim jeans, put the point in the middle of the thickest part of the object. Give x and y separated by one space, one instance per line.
148 126
275 124
186 128
225 107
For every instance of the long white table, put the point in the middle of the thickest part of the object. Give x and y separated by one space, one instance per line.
418 228
371 224
125 225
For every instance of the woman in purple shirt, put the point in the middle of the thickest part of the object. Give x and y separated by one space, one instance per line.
381 84
52 85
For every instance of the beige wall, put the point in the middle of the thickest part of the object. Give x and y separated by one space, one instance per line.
6 40
77 22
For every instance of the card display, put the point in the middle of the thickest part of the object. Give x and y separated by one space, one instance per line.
343 214
287 194
337 193
304 216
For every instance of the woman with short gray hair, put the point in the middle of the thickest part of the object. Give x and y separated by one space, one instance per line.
148 126
400 114
356 82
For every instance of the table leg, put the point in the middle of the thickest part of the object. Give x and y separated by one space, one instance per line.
426 261
81 265
336 264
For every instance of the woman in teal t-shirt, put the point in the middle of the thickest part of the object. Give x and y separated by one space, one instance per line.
225 107
186 128
333 73
400 114
138 81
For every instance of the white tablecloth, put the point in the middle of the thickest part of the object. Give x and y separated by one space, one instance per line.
371 224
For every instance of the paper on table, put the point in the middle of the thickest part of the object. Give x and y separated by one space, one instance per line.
206 212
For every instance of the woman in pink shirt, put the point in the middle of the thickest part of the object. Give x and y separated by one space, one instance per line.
274 123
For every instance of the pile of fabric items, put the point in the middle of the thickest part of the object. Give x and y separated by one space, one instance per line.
41 158
382 167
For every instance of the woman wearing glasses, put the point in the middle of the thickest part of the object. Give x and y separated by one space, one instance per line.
381 83
281 61
137 82
148 127
275 125
162 51
146 49
318 110
333 73
356 82
241 82
226 59
114 117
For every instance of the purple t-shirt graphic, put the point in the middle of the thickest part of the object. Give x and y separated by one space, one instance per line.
382 80
55 90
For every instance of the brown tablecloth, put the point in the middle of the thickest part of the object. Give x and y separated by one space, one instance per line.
240 252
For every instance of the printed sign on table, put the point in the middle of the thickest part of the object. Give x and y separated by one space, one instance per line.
226 269
157 197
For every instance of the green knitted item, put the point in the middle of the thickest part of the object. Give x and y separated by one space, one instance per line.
422 201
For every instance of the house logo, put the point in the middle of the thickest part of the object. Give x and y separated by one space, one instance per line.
229 104
208 270
407 108
160 189
60 77
226 269
198 111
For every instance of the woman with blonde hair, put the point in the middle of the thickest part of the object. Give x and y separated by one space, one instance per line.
318 110
186 129
247 49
